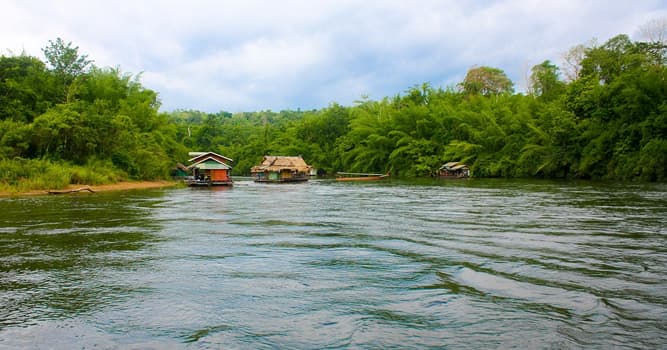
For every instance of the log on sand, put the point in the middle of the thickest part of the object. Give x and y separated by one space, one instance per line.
87 188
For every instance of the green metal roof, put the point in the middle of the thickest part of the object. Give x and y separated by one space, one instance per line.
211 165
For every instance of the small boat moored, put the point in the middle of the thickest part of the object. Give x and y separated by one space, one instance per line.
340 176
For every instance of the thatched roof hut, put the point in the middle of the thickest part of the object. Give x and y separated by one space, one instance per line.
278 163
454 170
281 169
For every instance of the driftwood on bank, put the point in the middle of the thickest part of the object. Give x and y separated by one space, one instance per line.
87 188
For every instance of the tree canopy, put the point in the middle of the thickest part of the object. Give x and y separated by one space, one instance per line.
486 81
545 81
64 59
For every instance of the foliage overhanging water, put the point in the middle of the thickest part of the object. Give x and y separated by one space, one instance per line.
471 264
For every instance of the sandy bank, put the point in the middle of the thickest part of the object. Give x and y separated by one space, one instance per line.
120 186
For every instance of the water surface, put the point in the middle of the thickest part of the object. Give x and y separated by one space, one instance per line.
455 264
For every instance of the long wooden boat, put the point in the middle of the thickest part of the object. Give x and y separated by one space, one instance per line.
360 176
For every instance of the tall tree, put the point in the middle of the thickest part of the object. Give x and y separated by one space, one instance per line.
67 64
655 30
609 60
65 59
544 81
572 62
486 81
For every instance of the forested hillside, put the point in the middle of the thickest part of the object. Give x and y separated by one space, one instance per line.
66 121
607 121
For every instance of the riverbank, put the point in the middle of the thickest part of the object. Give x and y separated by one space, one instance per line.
119 186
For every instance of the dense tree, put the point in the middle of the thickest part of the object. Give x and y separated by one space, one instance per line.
26 88
600 125
108 117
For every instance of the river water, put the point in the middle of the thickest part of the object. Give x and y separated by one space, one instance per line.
454 264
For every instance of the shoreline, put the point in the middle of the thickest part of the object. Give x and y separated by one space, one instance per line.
119 186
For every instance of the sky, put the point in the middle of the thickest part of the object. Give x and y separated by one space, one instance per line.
286 55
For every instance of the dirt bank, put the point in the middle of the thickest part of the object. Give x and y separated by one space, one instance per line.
120 186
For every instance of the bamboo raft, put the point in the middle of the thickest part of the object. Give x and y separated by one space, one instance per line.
360 176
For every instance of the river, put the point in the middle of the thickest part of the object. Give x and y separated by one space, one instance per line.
398 264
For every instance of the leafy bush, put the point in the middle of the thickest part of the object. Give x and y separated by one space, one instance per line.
20 175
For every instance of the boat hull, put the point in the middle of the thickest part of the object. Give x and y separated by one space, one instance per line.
204 183
453 177
362 178
340 176
277 181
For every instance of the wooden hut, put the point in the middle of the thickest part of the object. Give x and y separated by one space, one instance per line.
281 169
209 169
454 170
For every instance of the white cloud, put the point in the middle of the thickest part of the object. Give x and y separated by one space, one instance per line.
256 55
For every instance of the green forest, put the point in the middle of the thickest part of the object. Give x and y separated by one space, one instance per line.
602 116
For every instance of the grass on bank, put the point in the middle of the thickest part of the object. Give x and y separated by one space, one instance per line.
22 175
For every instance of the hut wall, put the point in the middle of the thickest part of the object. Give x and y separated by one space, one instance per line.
219 175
